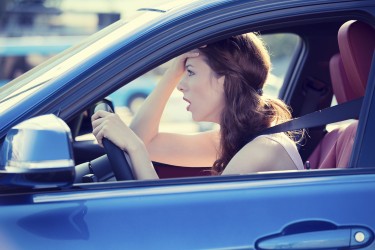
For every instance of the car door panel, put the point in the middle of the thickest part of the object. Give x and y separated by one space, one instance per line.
230 215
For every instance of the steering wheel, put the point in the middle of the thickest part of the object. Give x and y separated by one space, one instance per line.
119 163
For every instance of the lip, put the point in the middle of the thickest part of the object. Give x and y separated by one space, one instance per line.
186 100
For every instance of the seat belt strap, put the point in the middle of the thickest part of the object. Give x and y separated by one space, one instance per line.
340 112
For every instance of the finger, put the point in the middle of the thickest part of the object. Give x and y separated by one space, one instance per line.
192 53
99 114
96 130
100 131
100 136
97 122
95 116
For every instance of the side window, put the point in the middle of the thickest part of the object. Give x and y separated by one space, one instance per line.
282 47
129 98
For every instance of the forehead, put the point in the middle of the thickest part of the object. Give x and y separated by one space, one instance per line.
198 61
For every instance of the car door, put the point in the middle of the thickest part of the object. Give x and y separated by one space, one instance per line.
311 209
329 209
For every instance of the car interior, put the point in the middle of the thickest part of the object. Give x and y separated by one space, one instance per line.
331 61
349 71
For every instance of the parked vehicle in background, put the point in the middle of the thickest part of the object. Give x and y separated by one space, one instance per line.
133 94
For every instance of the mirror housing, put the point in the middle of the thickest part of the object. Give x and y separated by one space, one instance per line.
38 153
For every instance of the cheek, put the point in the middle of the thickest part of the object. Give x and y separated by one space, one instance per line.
212 103
207 91
197 88
217 103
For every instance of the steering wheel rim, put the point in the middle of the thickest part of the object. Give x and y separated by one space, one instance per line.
120 165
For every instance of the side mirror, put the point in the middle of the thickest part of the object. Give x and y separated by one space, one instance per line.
38 153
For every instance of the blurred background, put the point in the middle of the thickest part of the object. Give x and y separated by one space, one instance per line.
31 31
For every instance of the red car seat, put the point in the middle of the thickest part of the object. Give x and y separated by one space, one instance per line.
349 74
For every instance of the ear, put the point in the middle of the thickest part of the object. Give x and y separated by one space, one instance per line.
220 82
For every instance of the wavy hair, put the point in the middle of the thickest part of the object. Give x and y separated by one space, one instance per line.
245 63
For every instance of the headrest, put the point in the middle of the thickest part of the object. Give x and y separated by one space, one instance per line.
357 44
340 83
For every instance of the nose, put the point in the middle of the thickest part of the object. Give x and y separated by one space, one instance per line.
181 86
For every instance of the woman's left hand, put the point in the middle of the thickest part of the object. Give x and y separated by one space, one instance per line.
110 126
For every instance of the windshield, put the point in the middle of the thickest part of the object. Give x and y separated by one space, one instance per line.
28 83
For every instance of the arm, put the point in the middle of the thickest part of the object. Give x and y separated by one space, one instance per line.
146 122
110 126
175 149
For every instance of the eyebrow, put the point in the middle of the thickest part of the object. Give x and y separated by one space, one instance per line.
188 65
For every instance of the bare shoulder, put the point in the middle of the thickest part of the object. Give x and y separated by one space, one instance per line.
264 149
264 141
264 153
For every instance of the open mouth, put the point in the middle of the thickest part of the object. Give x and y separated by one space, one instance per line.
188 106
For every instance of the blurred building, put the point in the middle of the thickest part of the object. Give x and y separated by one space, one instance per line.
55 17
31 31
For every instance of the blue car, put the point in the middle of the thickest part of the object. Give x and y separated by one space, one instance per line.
60 192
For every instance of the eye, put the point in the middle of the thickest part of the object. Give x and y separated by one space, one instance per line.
190 73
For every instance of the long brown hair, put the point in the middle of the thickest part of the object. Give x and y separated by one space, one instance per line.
245 63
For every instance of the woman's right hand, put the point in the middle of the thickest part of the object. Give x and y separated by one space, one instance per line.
178 63
145 123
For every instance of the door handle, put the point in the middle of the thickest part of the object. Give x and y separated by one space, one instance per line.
347 237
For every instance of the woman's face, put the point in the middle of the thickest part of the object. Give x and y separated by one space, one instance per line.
203 90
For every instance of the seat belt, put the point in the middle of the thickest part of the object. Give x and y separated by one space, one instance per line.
337 113
317 93
340 112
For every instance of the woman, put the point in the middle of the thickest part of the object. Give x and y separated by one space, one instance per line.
222 83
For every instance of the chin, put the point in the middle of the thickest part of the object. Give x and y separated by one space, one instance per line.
196 117
205 119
